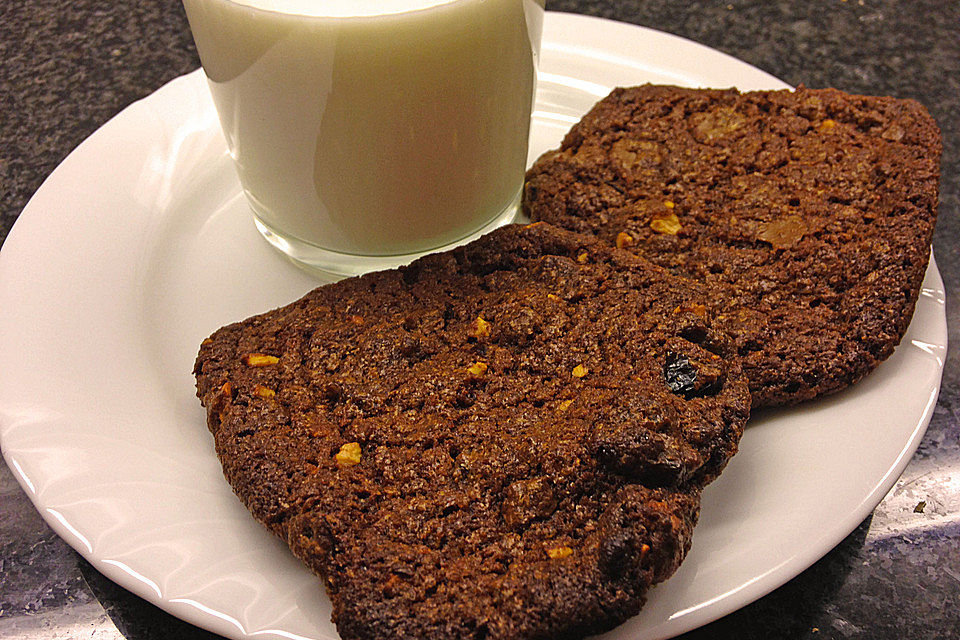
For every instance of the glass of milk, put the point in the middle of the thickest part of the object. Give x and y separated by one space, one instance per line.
368 132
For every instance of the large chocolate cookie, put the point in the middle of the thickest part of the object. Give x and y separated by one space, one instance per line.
808 214
505 441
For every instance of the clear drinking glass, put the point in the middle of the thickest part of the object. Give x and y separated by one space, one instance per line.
368 132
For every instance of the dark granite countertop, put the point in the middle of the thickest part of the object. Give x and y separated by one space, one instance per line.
67 67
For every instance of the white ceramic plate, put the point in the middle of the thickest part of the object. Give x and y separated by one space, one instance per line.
139 245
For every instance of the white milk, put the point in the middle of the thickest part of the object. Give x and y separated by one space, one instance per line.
360 126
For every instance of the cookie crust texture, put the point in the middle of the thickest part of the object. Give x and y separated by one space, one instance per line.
505 441
809 213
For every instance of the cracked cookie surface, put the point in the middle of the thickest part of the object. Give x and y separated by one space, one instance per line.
808 213
505 441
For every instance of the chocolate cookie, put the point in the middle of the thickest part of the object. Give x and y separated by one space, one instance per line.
808 214
503 441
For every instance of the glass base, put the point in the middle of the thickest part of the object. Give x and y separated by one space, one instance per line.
326 263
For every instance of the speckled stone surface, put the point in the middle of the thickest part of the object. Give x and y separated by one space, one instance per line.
66 68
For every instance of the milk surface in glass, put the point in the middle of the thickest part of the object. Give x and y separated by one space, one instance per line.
373 127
